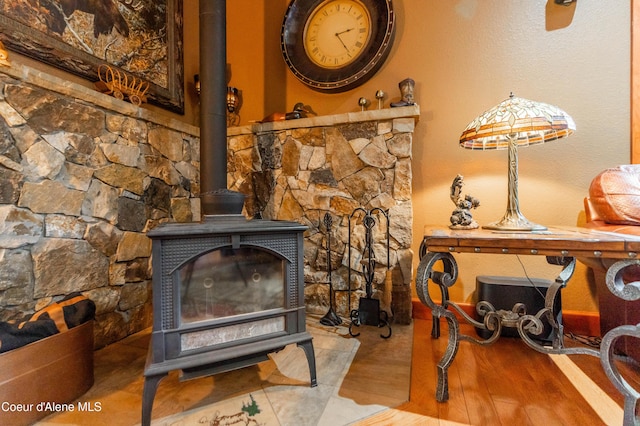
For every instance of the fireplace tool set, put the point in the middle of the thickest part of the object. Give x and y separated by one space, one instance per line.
369 312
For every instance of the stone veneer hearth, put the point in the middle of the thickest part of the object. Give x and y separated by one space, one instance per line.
302 169
83 177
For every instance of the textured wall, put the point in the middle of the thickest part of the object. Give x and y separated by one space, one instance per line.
467 56
80 185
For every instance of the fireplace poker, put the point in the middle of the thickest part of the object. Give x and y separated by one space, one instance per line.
330 318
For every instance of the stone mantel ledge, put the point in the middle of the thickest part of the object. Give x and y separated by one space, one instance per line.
412 111
47 81
64 87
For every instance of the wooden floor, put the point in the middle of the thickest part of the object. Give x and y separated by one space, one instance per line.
503 384
506 383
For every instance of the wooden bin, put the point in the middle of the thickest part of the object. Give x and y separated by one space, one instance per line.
57 369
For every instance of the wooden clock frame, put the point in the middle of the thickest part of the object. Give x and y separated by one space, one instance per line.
333 80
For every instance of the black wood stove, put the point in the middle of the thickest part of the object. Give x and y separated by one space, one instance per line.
227 291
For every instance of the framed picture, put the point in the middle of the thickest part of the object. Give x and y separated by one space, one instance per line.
141 38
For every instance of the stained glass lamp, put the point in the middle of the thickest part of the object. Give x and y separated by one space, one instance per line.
514 123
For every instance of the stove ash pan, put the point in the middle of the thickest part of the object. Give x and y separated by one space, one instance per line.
226 292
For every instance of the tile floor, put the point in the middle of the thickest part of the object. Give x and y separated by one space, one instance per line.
357 377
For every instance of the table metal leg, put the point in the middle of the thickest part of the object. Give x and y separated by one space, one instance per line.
631 396
493 320
444 279
627 291
435 326
442 389
526 324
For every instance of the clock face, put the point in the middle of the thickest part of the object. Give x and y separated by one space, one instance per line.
336 45
337 33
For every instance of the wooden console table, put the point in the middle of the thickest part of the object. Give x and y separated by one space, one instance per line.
561 246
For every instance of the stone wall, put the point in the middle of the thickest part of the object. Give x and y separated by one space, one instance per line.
303 169
83 176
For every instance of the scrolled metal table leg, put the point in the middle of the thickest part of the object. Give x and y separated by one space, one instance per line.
444 279
627 291
631 396
442 389
555 317
615 282
532 324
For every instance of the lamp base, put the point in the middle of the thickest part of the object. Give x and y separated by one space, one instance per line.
514 222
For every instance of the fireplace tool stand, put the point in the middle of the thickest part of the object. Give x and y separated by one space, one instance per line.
330 318
369 312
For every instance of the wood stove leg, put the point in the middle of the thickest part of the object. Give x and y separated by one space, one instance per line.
148 394
307 346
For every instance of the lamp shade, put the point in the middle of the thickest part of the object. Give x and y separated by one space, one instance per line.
513 123
527 122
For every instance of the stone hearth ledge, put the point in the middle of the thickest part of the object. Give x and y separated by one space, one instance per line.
412 112
94 97
64 87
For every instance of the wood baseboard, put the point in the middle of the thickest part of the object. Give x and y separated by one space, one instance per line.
577 322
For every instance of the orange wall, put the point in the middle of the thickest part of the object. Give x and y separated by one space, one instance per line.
253 54
466 56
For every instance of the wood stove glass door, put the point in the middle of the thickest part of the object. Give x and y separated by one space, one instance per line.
231 281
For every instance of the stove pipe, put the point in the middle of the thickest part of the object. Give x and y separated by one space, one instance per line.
215 198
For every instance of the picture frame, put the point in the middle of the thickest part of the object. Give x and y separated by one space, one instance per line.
143 39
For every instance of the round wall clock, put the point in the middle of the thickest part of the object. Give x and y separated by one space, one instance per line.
336 45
